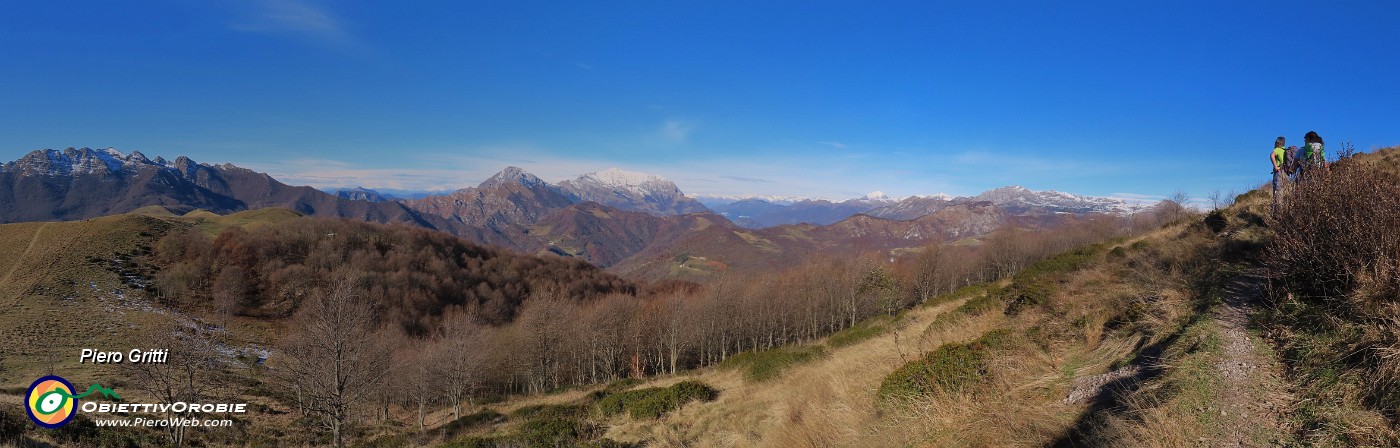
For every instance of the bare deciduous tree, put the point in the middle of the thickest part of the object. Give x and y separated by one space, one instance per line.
335 357
461 357
187 375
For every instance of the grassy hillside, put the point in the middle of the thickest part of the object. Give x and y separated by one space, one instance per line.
1238 327
62 289
72 285
1191 335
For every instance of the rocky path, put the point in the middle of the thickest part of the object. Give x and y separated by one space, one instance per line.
1254 397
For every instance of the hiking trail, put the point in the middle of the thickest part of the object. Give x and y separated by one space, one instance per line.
1254 397
32 239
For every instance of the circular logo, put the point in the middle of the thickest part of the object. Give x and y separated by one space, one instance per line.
50 402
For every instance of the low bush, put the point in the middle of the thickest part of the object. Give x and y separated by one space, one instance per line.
988 300
653 402
12 423
1036 284
619 402
469 422
1022 295
1338 236
950 368
692 390
544 411
553 432
769 364
861 331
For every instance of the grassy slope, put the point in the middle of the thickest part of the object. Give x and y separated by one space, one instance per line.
59 293
56 300
1139 305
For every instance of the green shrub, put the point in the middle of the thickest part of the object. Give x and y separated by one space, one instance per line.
1022 295
619 402
1118 252
692 390
653 405
552 432
541 411
861 331
768 364
980 304
469 422
1216 221
950 368
1036 284
653 402
1059 264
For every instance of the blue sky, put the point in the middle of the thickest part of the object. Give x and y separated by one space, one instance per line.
816 99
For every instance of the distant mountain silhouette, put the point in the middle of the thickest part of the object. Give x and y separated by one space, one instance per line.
81 183
632 222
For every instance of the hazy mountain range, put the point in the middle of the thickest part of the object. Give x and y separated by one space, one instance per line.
632 222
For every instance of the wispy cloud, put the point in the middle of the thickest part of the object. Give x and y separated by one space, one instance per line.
323 173
301 18
837 145
676 130
752 180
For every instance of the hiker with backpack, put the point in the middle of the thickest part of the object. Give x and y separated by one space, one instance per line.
1312 156
1279 159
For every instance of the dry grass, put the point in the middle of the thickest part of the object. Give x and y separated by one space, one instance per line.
833 401
828 402
49 279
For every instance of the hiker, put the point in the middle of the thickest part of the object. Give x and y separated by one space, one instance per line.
1313 156
1279 159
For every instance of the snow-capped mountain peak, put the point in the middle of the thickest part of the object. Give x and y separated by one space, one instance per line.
70 161
631 190
621 179
878 196
1017 197
939 196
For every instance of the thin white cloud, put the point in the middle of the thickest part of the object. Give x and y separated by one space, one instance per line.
676 130
751 180
837 145
320 173
301 18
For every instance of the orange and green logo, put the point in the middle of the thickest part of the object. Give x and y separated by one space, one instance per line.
51 402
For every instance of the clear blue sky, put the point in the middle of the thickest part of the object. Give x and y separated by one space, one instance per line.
821 99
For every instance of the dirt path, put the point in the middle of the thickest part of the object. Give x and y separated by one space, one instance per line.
1254 397
18 261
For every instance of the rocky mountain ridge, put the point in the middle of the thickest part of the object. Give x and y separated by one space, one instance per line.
630 221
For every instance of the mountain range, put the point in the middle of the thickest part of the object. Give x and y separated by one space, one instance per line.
760 213
52 185
629 222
